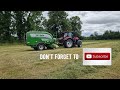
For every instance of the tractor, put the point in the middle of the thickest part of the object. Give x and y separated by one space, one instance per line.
69 39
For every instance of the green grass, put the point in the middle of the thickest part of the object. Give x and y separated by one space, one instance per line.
22 62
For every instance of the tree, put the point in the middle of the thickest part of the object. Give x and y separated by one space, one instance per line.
95 34
19 24
92 37
106 35
5 26
27 21
34 20
66 25
57 22
76 24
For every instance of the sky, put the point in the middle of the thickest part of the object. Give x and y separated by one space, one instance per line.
96 21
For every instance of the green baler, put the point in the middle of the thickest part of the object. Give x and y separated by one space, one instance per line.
40 40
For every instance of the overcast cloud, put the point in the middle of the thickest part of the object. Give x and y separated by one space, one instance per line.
98 21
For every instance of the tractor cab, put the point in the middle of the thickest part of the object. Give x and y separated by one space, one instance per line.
68 34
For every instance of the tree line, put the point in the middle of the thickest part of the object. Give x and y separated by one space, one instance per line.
15 24
107 35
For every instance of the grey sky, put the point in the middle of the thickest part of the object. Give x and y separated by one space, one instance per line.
98 21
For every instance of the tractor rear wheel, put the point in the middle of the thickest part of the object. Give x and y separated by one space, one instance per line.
68 43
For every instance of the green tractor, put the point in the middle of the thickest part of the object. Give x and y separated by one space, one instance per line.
40 40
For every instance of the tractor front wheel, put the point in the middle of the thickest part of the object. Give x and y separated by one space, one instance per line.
79 43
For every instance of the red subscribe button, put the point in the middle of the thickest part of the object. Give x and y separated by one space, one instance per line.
97 56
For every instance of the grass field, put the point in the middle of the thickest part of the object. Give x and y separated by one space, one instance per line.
22 62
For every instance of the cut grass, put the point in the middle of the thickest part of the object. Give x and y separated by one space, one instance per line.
75 70
21 62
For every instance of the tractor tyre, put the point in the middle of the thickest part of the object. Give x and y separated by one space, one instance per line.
79 43
68 43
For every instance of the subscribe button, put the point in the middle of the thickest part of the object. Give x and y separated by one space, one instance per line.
96 56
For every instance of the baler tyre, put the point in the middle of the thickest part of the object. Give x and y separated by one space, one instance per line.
68 43
40 46
35 48
79 43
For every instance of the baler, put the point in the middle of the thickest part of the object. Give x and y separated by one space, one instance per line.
40 40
